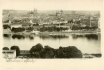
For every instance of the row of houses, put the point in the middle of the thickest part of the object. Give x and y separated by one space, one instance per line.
12 53
9 53
49 23
30 23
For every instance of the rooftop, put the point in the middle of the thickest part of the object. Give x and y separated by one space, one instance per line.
8 51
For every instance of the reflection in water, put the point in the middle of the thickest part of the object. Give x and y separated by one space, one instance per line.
88 36
87 43
18 36
74 36
92 36
54 37
31 37
22 36
60 36
7 35
44 37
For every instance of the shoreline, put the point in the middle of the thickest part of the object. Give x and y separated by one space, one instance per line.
84 56
47 33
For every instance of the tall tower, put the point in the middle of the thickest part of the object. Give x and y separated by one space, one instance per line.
35 14
99 23
9 18
59 16
61 12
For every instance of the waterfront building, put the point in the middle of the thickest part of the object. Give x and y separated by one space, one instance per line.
24 53
9 53
16 26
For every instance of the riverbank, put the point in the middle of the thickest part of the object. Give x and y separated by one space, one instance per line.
53 33
73 32
91 55
85 56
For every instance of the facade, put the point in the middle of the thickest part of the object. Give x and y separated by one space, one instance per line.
16 25
6 24
24 53
9 53
94 21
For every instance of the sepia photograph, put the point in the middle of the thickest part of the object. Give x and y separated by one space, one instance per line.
51 34
51 29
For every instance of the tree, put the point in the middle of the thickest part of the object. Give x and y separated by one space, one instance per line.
5 48
18 36
36 50
17 50
69 52
6 26
73 52
17 29
48 52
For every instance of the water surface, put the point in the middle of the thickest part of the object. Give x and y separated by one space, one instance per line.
87 43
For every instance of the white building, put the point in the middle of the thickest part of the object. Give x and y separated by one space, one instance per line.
16 25
9 53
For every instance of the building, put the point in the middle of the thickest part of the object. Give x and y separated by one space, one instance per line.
16 26
9 53
24 52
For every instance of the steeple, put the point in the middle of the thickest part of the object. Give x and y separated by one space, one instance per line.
9 19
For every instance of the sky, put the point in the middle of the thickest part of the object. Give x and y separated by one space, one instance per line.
52 4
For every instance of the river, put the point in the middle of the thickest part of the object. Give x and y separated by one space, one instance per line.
87 43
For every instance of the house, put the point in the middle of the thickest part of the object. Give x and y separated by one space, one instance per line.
94 22
16 26
6 24
16 23
9 53
24 53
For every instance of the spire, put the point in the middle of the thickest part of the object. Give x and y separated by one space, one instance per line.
9 18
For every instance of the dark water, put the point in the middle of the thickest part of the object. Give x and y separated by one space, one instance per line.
87 43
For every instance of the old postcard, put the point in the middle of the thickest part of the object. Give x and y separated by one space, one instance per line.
51 34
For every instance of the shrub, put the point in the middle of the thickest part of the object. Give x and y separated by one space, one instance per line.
36 50
17 50
48 52
69 52
5 48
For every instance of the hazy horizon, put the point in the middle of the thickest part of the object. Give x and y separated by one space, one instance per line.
52 4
